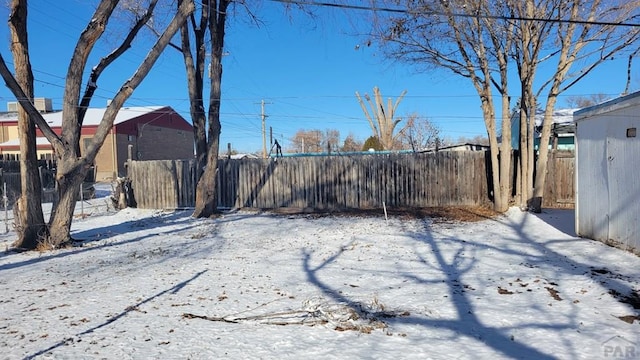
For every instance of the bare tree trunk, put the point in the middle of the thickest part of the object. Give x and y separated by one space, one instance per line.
529 48
531 151
501 202
206 196
500 156
527 119
195 80
68 188
72 166
31 228
543 157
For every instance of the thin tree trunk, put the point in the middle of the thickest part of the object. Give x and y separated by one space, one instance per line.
195 80
527 115
531 150
31 228
504 196
543 156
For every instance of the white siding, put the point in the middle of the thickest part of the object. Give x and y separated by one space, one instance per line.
591 181
608 173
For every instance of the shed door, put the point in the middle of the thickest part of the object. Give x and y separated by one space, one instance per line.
592 198
624 186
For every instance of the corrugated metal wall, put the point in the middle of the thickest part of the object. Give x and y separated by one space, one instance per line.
608 174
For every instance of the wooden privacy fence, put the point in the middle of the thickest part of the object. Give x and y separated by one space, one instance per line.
323 182
163 184
559 191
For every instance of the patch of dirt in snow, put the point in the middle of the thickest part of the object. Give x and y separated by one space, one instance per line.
632 298
437 214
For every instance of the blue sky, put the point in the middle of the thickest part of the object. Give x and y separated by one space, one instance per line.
306 70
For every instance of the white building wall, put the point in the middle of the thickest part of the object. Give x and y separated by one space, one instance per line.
608 173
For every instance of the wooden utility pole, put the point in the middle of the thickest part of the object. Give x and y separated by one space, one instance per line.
264 130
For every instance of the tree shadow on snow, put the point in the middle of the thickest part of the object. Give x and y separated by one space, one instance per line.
173 290
465 324
451 266
106 232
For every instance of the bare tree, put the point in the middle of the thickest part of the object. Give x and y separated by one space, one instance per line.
558 34
583 101
578 41
460 36
351 144
481 41
420 134
30 225
331 140
308 141
382 119
72 165
208 26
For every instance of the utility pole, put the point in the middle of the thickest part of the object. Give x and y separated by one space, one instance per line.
264 130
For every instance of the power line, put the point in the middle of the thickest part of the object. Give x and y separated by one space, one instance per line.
454 14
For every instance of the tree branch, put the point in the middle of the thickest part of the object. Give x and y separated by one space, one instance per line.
26 104
97 70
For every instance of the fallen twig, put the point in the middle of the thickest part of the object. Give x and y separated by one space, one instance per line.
210 318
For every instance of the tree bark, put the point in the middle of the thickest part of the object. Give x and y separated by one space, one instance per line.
206 197
68 187
543 157
31 228
195 80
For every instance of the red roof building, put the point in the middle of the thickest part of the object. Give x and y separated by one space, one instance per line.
144 133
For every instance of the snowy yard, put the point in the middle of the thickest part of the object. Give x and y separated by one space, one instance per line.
159 285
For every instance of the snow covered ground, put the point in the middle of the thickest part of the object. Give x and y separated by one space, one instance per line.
160 285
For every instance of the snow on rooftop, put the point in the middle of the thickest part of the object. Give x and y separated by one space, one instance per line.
560 116
8 115
16 142
93 116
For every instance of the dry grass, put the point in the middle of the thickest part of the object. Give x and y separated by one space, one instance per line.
449 213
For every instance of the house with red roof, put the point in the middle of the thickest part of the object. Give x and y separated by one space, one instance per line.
144 133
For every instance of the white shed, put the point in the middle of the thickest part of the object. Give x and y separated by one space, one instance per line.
608 172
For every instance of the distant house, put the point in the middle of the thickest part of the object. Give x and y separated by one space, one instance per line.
562 130
239 156
459 147
148 133
607 163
